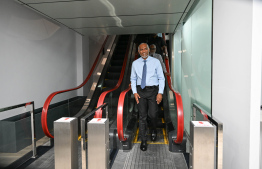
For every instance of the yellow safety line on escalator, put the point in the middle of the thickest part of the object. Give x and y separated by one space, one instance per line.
150 142
164 132
79 137
165 137
137 131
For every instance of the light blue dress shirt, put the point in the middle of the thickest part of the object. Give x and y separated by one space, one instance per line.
154 74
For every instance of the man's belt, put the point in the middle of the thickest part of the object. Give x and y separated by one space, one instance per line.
148 87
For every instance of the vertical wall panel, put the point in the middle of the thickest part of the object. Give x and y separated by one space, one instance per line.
236 68
38 56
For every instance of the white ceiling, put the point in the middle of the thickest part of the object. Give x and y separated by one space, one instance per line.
108 17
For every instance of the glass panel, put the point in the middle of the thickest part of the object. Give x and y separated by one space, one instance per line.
172 106
75 105
130 108
112 101
176 59
196 59
200 116
186 73
201 54
16 137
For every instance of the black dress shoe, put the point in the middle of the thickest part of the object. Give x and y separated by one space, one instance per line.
153 135
143 146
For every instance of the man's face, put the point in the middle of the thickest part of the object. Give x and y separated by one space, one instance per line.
152 49
143 51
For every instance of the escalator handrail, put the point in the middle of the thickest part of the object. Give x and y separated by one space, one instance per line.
204 114
51 96
180 111
120 108
103 95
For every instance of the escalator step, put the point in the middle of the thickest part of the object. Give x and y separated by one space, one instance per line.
110 82
120 51
117 62
121 45
115 69
111 100
112 75
118 57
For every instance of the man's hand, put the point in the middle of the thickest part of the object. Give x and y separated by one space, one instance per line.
137 97
159 98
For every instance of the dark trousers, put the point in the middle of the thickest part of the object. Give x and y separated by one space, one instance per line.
147 106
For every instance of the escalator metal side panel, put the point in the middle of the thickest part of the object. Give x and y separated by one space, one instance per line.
96 88
169 104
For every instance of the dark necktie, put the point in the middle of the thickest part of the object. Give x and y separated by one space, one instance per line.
143 83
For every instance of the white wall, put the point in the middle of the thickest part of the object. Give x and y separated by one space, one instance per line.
237 80
37 56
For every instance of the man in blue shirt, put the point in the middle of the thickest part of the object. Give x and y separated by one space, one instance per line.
147 83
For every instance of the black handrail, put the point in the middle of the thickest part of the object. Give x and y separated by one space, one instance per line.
16 106
84 119
32 112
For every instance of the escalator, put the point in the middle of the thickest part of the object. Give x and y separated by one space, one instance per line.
130 129
108 79
169 150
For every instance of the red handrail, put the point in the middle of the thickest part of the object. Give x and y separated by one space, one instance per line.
180 112
103 95
50 97
204 114
120 107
